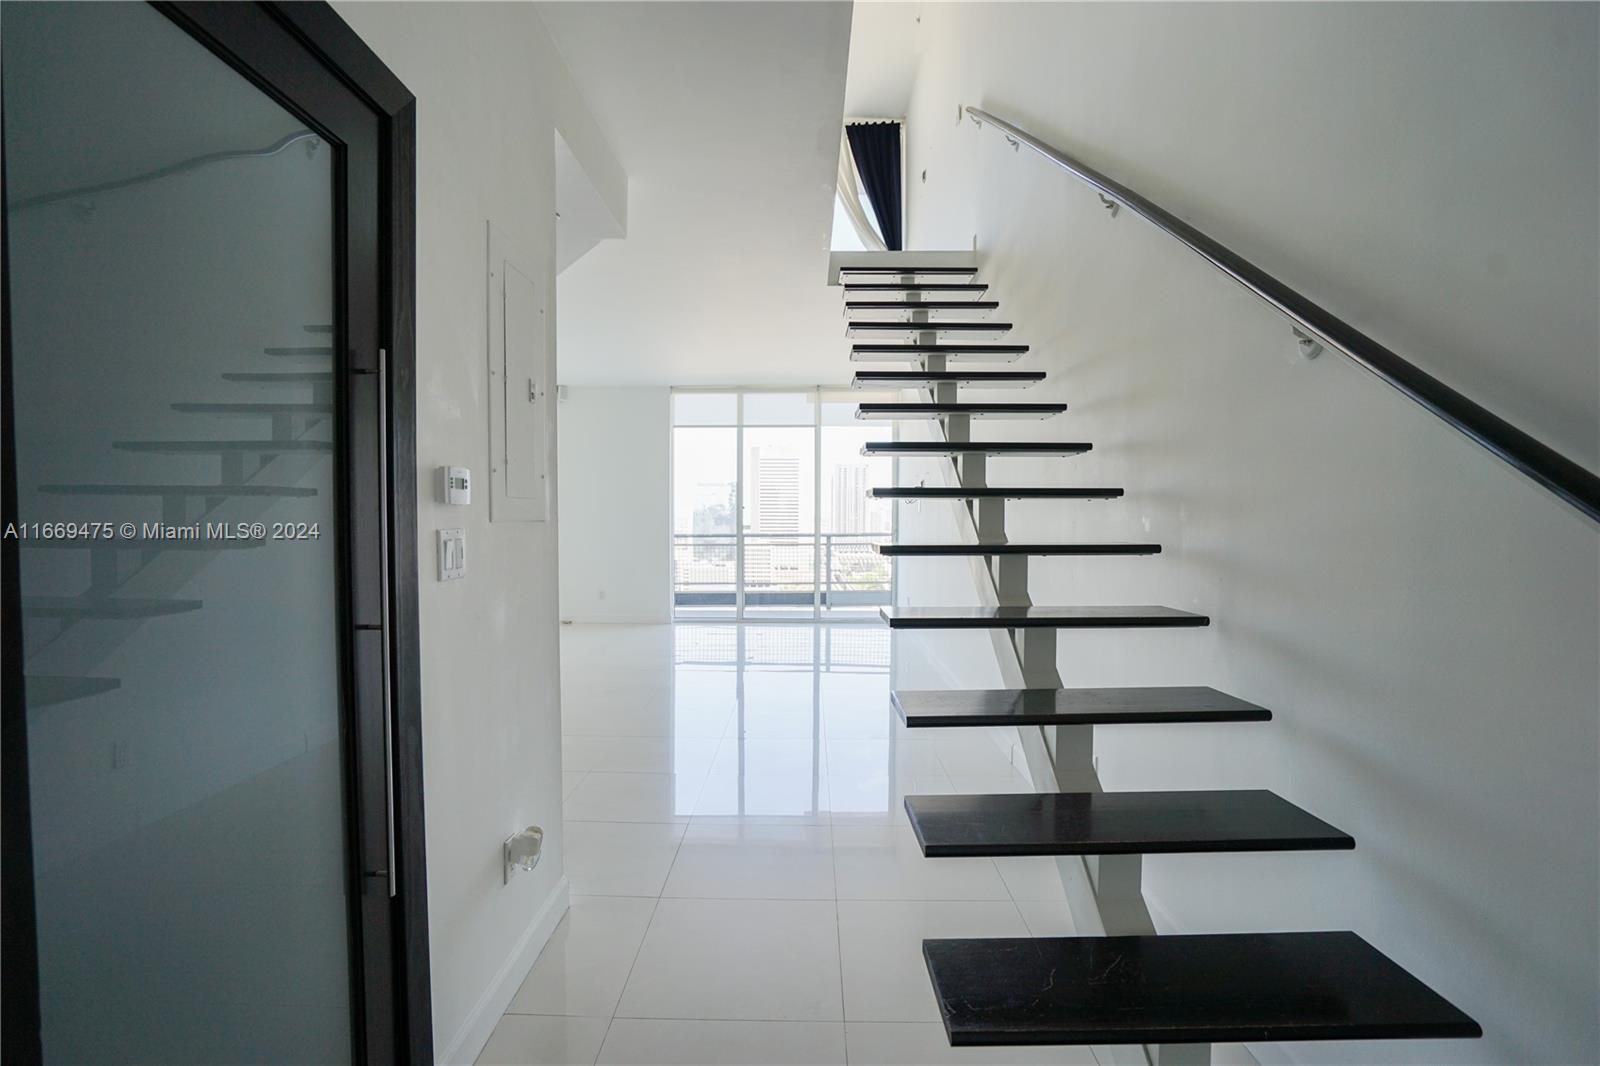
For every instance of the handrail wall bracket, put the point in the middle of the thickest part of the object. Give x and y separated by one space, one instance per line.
1316 328
1310 347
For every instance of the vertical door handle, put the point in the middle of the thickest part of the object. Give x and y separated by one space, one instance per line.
383 587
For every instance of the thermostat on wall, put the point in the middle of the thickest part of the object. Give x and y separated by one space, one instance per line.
455 485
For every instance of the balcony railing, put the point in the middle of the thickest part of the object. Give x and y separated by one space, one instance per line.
835 570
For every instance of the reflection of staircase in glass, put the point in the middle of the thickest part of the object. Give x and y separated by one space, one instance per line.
135 579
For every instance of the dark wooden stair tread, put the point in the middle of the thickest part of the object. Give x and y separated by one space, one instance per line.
208 491
965 329
1017 549
1072 706
855 306
1186 989
942 492
855 288
996 448
991 353
1116 823
868 411
1034 617
978 378
907 271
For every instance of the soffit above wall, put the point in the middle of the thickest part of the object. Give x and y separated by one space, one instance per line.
726 118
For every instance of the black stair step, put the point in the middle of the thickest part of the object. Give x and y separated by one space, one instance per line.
975 288
907 271
939 308
941 492
1018 549
1033 617
996 448
206 491
966 353
1116 823
104 607
911 330
313 349
908 379
1188 989
976 410
254 408
282 377
223 447
921 708
46 690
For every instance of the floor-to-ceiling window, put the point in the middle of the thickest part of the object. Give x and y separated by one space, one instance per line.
772 511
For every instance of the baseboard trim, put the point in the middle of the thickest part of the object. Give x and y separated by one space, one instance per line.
465 1047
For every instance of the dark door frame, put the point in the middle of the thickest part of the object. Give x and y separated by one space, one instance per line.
326 38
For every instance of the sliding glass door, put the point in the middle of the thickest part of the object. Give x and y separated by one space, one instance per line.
773 516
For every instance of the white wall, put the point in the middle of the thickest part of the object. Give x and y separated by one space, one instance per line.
1421 619
616 510
491 90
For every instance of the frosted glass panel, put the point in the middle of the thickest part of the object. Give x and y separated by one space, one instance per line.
172 273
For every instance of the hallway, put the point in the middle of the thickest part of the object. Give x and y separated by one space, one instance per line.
745 886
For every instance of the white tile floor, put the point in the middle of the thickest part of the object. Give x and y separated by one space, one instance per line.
745 886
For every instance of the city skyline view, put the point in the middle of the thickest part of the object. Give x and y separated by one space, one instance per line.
804 524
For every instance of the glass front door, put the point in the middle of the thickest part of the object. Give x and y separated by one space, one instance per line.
194 475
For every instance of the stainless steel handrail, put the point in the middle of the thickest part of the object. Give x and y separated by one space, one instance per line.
1570 481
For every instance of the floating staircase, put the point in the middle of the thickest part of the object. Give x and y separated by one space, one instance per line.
1174 994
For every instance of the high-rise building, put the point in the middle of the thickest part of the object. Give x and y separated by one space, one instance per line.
774 491
849 492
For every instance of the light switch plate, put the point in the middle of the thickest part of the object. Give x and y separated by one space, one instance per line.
452 554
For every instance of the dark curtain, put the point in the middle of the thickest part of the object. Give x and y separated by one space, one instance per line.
876 149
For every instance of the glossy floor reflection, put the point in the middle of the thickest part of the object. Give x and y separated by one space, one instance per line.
746 888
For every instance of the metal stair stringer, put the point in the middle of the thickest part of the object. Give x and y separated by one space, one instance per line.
1104 893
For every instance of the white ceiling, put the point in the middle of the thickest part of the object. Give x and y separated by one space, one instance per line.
885 46
726 117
